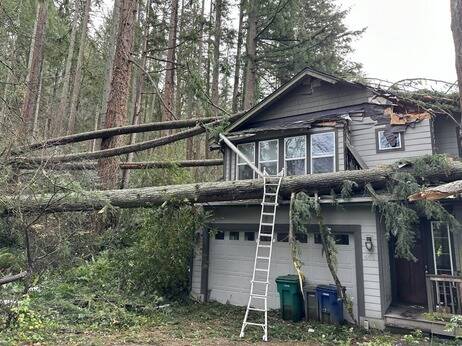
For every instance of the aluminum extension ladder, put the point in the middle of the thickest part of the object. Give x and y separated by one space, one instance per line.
258 298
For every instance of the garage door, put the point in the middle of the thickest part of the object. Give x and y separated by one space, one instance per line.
232 257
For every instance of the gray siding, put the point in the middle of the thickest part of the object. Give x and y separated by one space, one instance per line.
351 215
302 100
445 132
197 271
417 142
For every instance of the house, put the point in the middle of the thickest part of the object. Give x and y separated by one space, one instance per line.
319 123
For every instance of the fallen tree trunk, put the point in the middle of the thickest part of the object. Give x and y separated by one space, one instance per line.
11 278
214 191
114 131
81 166
154 143
438 192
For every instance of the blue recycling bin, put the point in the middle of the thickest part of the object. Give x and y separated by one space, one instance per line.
330 306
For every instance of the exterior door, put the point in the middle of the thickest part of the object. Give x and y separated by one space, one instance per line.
410 277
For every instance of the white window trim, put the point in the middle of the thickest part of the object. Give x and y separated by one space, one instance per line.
294 158
390 148
277 155
243 163
334 155
433 247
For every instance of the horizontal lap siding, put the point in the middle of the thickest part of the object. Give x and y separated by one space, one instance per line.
417 142
324 97
446 141
196 271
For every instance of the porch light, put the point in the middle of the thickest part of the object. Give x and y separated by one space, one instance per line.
369 245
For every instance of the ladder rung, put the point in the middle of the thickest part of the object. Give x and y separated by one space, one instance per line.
270 194
256 309
266 224
268 235
268 214
259 296
261 270
270 204
263 257
255 324
264 245
260 282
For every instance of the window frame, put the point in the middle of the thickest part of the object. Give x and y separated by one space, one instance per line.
243 163
386 150
334 155
277 154
305 157
448 233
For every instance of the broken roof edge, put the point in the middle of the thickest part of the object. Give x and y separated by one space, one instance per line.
283 89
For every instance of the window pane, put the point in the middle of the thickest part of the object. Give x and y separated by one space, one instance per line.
269 150
245 172
443 262
249 236
271 167
322 165
295 147
220 235
282 237
233 235
295 167
248 149
384 144
322 144
301 237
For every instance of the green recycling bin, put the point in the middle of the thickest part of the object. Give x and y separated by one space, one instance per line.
291 297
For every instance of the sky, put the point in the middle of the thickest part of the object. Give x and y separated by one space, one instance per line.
404 38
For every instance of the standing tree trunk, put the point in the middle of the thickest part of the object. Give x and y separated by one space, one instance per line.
118 97
169 88
78 69
237 64
456 27
138 90
109 66
251 65
39 98
35 62
63 102
216 52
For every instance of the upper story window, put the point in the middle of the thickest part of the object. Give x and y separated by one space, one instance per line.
323 152
295 155
394 142
243 170
268 153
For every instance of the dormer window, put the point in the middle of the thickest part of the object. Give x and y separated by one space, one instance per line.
295 155
322 152
268 153
243 170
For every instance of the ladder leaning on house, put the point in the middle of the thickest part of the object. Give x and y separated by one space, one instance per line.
258 298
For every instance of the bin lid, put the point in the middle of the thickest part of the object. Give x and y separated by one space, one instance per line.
287 279
327 288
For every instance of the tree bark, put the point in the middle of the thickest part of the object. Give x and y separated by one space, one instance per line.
109 66
63 103
169 84
237 64
118 97
78 69
114 131
251 65
39 99
139 87
456 28
11 278
35 62
322 183
76 166
216 52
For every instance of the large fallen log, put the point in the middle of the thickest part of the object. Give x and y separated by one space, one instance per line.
438 192
113 131
154 143
214 191
81 166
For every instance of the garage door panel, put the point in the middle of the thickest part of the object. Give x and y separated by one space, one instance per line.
231 264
